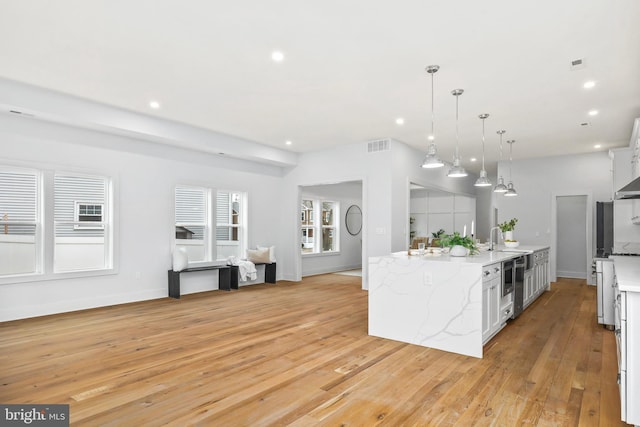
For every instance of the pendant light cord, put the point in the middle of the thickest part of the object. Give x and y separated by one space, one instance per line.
510 161
432 115
482 144
457 137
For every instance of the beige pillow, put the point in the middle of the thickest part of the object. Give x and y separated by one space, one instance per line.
272 252
258 255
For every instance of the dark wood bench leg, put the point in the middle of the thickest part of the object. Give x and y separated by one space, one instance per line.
270 273
224 279
235 276
174 284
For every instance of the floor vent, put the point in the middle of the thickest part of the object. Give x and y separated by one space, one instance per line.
378 145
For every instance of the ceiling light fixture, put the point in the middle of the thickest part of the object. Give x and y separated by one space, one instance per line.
500 187
288 142
431 160
597 146
593 112
457 171
400 121
483 180
588 85
154 104
511 191
277 56
473 159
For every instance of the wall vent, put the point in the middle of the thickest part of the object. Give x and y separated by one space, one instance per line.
578 64
378 145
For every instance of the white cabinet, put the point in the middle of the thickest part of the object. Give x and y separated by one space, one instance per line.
529 287
491 299
627 322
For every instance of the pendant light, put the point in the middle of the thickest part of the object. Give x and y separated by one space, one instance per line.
511 191
500 188
431 160
457 171
483 180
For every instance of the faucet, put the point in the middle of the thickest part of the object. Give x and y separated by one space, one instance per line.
491 237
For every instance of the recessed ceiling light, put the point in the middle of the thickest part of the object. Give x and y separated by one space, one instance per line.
400 121
277 56
154 104
288 142
589 84
597 146
593 112
473 159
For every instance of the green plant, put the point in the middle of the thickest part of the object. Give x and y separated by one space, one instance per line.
438 234
456 239
508 225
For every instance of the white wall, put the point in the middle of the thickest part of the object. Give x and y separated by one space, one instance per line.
538 181
144 203
350 255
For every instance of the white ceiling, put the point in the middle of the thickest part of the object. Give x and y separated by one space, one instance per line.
350 69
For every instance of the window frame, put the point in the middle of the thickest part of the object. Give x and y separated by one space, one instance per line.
45 227
317 225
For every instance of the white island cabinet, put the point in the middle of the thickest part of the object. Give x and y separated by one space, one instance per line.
448 303
627 322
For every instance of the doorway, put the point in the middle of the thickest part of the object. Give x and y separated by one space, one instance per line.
573 248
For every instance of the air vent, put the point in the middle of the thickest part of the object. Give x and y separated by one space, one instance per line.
378 145
585 124
578 64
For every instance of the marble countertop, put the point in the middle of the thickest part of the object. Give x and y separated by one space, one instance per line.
501 253
627 272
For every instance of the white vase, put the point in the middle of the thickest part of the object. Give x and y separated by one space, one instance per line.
458 250
508 235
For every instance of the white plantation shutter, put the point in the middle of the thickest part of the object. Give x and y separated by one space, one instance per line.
18 201
70 189
191 210
223 216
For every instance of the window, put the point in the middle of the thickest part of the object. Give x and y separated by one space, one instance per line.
319 218
192 222
193 229
229 220
20 221
81 239
73 232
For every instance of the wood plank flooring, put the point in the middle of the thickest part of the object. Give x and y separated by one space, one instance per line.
298 354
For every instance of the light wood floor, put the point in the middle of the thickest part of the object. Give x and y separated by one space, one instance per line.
298 354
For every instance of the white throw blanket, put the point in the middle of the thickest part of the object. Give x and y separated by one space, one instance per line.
247 269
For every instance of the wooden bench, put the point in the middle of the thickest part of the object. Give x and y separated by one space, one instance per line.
228 276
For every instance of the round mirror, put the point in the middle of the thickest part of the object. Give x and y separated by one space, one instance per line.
353 220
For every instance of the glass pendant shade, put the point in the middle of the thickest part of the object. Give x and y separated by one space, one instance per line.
500 188
457 171
431 160
511 191
483 180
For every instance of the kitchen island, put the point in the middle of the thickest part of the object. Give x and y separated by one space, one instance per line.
439 301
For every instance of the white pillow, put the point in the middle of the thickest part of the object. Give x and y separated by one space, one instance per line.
258 256
180 259
272 252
